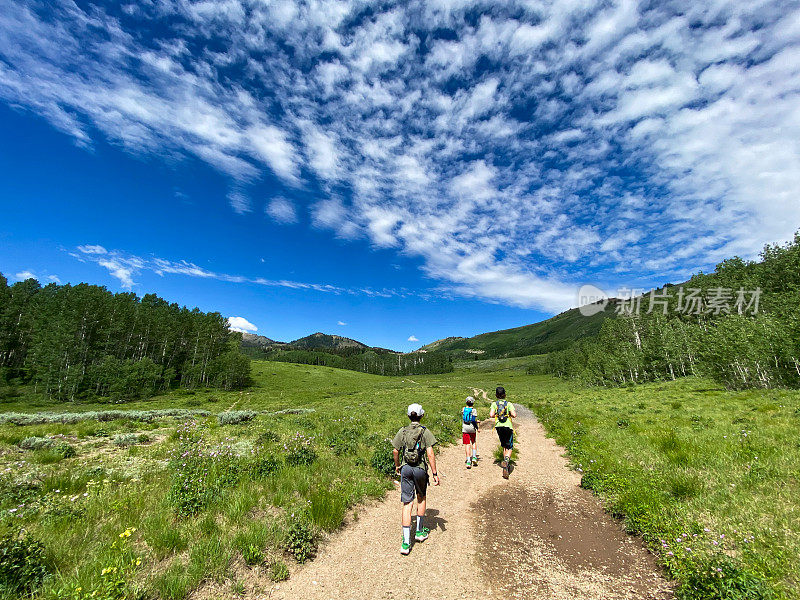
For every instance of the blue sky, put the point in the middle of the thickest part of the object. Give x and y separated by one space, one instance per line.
411 170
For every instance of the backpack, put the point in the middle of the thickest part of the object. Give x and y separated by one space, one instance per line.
412 446
501 412
466 416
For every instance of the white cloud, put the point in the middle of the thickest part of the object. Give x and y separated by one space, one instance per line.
511 186
239 202
412 338
241 325
92 249
120 271
54 278
341 323
23 275
281 210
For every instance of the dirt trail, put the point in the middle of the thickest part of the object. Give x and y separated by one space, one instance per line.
537 535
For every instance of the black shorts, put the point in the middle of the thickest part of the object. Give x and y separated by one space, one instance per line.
506 435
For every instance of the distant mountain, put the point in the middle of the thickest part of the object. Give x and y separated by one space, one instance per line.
553 334
322 341
251 340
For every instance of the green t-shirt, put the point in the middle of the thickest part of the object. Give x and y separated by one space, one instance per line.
426 441
507 423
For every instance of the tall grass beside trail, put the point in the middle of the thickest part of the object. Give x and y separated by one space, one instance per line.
153 508
710 478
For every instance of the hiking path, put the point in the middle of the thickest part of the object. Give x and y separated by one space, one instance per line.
535 535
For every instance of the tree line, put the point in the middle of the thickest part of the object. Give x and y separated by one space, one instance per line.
376 361
82 341
743 329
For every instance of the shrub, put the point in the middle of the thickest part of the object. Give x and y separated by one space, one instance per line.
59 448
300 539
23 564
200 472
278 571
722 577
266 437
236 417
344 442
299 450
383 459
264 464
130 439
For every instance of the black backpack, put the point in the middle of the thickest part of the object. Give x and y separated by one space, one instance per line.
413 450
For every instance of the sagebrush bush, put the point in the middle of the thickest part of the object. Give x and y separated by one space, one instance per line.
130 439
59 448
67 418
236 417
23 564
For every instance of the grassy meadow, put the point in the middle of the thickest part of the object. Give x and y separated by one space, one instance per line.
156 506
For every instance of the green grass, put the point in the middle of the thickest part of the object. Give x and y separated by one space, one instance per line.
677 461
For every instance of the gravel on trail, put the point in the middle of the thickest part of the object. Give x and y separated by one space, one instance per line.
536 535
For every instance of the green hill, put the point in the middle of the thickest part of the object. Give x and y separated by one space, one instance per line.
553 334
318 341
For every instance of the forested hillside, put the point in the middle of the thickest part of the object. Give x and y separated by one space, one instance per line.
556 333
377 361
328 342
739 325
72 342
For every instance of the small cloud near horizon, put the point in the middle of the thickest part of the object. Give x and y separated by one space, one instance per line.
341 323
241 325
23 275
412 338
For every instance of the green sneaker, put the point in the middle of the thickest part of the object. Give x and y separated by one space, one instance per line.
469 464
474 461
422 534
405 548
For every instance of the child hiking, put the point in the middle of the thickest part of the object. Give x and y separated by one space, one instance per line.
469 432
503 412
415 443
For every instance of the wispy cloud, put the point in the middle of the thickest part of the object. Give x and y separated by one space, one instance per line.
341 323
512 148
23 275
124 267
281 210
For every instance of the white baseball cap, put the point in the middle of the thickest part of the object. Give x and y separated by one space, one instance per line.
416 409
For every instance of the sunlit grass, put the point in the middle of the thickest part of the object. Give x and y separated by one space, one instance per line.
673 460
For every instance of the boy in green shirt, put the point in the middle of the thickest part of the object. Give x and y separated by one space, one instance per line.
502 411
416 444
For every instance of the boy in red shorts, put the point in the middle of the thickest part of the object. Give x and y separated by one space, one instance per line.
469 432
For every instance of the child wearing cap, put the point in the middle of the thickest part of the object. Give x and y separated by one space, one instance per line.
413 452
469 432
